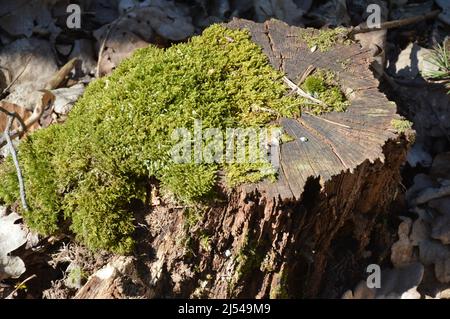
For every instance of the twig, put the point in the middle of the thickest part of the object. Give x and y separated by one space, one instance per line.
60 75
17 116
19 285
395 23
256 108
12 150
17 77
326 120
46 101
309 70
302 93
112 26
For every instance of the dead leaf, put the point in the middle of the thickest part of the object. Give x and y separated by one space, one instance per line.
421 181
441 229
83 50
441 205
12 108
442 270
24 20
332 13
396 282
288 11
417 155
66 98
431 251
12 236
440 167
402 250
139 27
420 231
444 16
31 64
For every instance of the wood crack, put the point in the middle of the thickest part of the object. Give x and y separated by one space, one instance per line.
325 139
272 46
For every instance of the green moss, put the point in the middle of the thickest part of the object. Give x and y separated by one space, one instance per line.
280 291
85 173
76 277
286 138
324 86
81 176
323 39
240 173
248 259
190 181
401 125
205 241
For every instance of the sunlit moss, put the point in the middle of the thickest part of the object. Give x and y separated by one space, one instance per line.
401 125
324 86
81 176
324 39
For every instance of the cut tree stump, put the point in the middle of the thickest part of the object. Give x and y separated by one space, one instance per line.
313 232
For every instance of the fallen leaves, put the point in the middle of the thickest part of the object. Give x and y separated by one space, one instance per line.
12 236
139 26
30 64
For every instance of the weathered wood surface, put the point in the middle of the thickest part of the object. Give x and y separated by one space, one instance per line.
336 141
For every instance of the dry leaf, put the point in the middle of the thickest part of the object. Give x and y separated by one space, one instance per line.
396 282
12 236
24 20
65 98
32 63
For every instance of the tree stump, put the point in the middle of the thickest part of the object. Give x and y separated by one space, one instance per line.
311 233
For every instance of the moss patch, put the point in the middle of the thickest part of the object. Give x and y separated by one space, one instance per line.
81 176
248 259
279 290
324 86
324 39
401 125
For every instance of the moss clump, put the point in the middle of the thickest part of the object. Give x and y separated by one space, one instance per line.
401 125
323 39
248 259
286 138
82 175
279 291
323 86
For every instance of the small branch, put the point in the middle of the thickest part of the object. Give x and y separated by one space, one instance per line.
309 70
17 77
12 150
13 134
47 98
14 114
394 24
19 285
112 26
326 120
60 75
302 93
256 108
